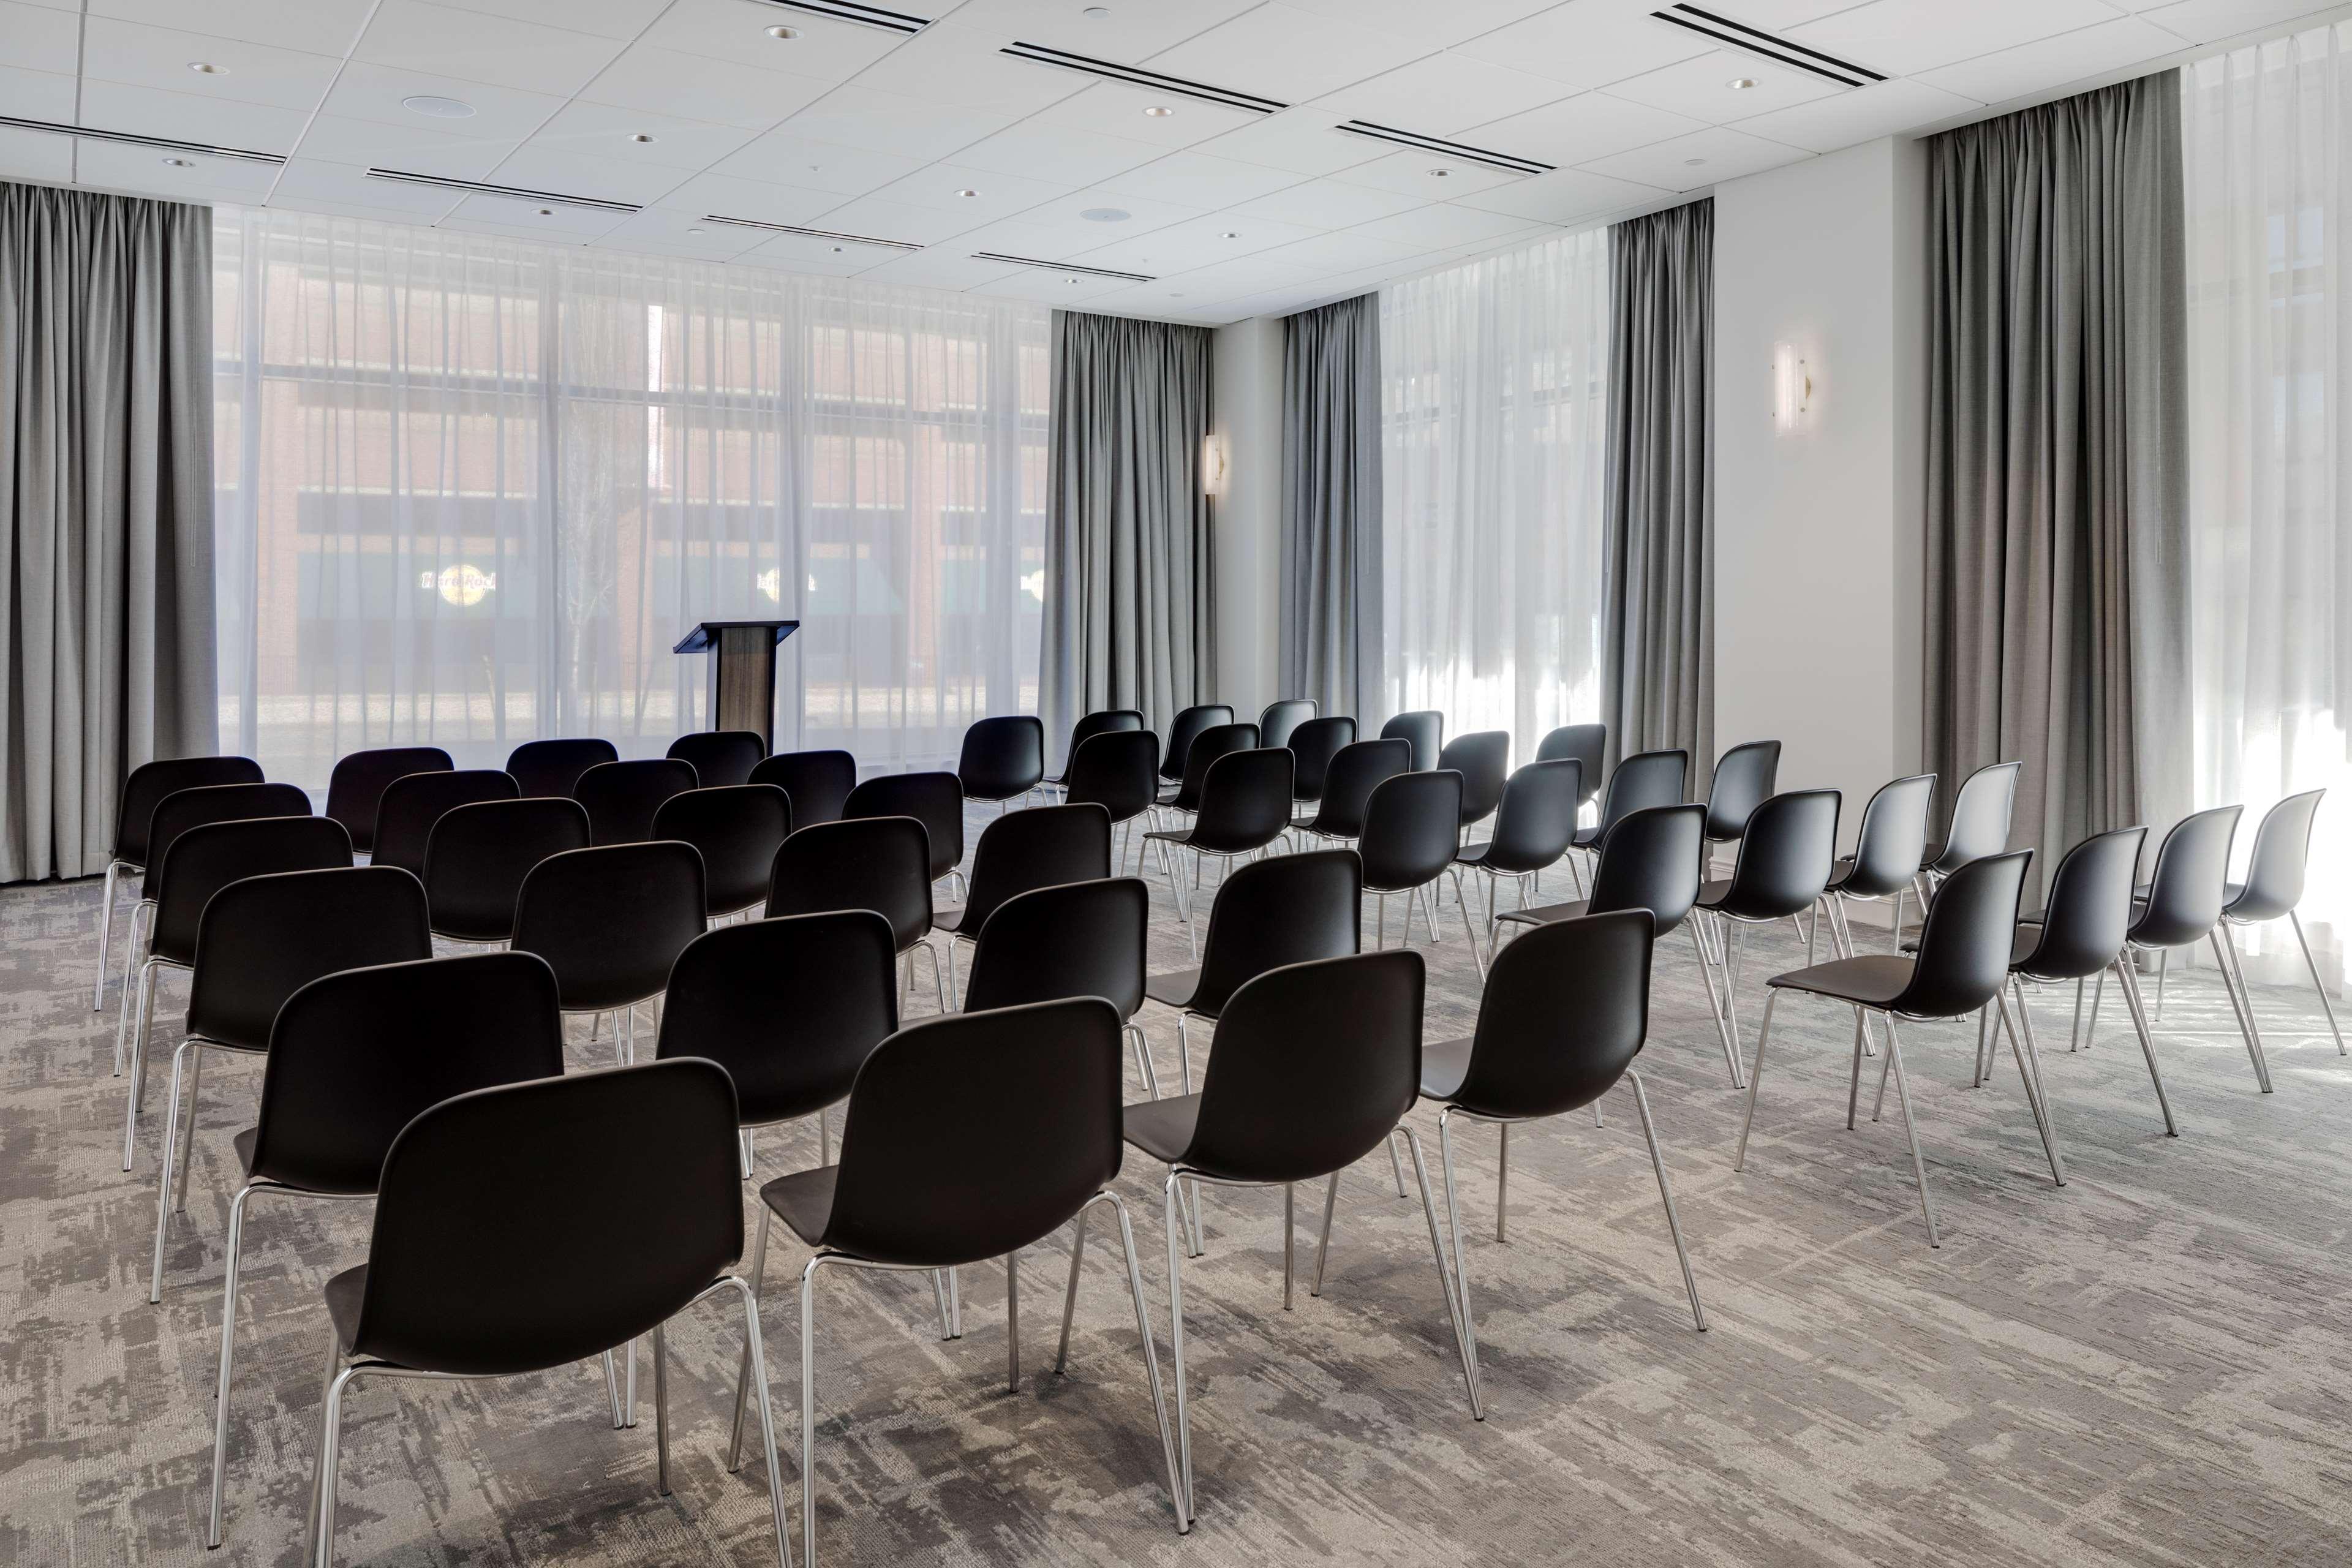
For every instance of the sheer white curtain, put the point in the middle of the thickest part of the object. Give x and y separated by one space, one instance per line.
471 490
2266 136
1494 384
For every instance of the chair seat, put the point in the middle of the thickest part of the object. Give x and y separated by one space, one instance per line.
803 1201
1873 980
949 920
244 1143
1307 824
1545 914
1711 892
1175 989
1586 837
1444 1067
2021 947
1475 854
343 1294
1163 1127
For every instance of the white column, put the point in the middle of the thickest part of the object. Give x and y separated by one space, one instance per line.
1246 422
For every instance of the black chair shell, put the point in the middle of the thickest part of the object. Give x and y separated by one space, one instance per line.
1483 758
1356 771
1106 722
933 799
1980 818
818 782
1536 822
738 830
1041 847
2186 894
719 758
205 858
1587 744
1565 1011
186 809
1786 856
1208 748
1744 779
411 803
1651 862
2280 859
2090 909
477 857
1281 719
1082 939
1245 802
1425 729
1965 947
358 781
621 797
1892 840
1001 757
1185 730
149 782
1287 909
611 920
1312 746
544 768
264 938
879 863
1118 770
1642 781
1411 829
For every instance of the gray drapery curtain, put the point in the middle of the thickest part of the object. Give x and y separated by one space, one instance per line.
1129 616
1331 508
1658 642
106 553
2057 614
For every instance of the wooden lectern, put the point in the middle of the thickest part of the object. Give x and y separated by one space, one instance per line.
742 672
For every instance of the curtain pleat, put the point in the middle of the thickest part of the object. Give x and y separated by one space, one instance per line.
1331 499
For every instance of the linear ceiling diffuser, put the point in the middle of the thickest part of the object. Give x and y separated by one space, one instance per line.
811 233
1061 267
132 139
849 11
1767 45
1420 143
1136 75
512 192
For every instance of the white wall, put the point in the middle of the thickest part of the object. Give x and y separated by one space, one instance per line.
1246 371
1818 528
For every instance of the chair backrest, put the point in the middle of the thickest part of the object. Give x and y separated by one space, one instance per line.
738 830
610 920
1536 821
2186 893
971 1135
1244 801
1082 939
542 768
478 855
1311 1067
1041 847
1286 908
264 938
208 858
2275 874
1187 728
719 758
1585 743
1650 860
818 782
1980 825
1483 758
1645 780
1211 745
1104 721
1411 829
1892 837
2090 907
933 799
621 797
355 1056
190 808
1313 744
1002 757
1281 719
1565 1012
1118 770
358 783
1425 729
877 863
499 1213
1744 777
1786 856
414 803
789 1008
1964 948
149 782
1357 770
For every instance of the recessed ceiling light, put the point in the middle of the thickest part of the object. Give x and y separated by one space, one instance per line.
1230 234
1095 13
1105 214
1741 83
1694 162
206 68
836 250
1069 281
1158 112
1176 294
438 107
783 32
639 136
1439 173
547 212
180 163
967 192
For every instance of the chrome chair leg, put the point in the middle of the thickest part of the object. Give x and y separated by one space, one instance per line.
1323 1246
743 1367
2029 1073
1143 1064
1755 1079
163 1187
1070 1298
1290 1240
227 1358
1012 1321
135 1092
1176 1341
1714 1007
2129 983
1445 1281
1396 1166
1666 1196
2225 952
106 943
2308 962
2163 963
1465 1325
1911 1131
1503 1176
661 1410
2074 1029
1853 1081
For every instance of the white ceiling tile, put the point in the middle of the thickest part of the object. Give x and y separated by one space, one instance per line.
1588 43
893 123
1128 32
373 92
554 222
36 155
1562 197
1328 203
1299 139
1589 125
534 167
2052 62
794 249
1061 224
684 234
304 181
511 231
1440 225
1863 115
1343 251
2205 21
314 27
248 73
943 268
1772 16
608 18
759 199
1281 52
648 77
1159 300
1443 25
1410 174
1904 37
844 266
1056 152
1198 180
733 31
605 131
1442 94
786 159
1049 288
1248 275
38 95
1701 88
947 64
253 126
416 34
1109 109
1701 158
115 166
1013 237
896 220
995 193
364 143
1196 242
35 37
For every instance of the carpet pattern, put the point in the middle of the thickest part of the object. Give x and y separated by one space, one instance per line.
2147 1367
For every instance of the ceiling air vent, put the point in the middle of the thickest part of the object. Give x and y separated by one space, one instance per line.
131 139
1766 45
511 193
1071 267
811 233
849 11
1420 143
1152 81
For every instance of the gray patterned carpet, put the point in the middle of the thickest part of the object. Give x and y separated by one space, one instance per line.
2147 1367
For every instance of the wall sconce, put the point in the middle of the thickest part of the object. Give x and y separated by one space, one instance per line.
1792 387
1212 467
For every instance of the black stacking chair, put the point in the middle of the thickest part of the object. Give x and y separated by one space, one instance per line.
1586 745
1281 719
1312 746
1411 829
737 829
621 797
879 863
1534 828
2182 905
1244 807
524 1227
552 767
1041 847
1645 780
353 1057
1743 779
933 799
1785 857
134 813
1207 747
1118 770
2274 887
722 759
263 939
610 920
1357 770
1483 758
478 855
1109 722
791 1007
413 803
358 781
1979 824
190 869
967 1139
1885 859
1963 964
1562 1017
818 782
1003 757
1081 938
1187 728
1315 1066
1426 731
